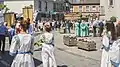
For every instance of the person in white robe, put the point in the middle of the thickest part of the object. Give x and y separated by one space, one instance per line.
48 47
105 60
115 49
22 48
108 39
115 53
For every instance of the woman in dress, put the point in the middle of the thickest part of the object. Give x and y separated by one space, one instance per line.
77 29
82 29
47 39
109 37
22 48
115 49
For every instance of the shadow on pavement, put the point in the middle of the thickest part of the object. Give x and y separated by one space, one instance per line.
39 49
88 50
37 62
63 66
5 59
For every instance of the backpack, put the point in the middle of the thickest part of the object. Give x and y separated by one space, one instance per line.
101 24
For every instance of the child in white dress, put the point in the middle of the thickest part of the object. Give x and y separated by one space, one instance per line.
48 47
22 49
108 39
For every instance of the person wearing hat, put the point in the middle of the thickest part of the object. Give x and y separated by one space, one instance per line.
47 40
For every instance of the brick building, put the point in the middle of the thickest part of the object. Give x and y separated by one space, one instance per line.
86 7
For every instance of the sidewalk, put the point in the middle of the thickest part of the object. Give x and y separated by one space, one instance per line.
92 55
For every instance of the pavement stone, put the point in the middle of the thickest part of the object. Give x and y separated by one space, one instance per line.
89 55
65 56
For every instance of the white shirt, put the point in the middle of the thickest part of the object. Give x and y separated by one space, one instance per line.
17 25
53 23
95 23
41 24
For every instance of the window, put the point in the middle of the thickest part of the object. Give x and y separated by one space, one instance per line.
84 9
76 1
57 6
87 8
93 8
54 7
40 3
102 10
61 9
110 2
45 6
80 7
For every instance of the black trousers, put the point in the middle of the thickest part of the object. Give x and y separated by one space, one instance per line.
94 31
10 39
2 42
101 31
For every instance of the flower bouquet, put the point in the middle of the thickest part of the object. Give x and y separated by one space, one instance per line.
38 43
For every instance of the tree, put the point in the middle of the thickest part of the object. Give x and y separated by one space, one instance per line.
4 7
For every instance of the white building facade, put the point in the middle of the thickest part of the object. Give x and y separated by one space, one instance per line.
17 5
110 8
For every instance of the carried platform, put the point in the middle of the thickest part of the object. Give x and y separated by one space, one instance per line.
72 16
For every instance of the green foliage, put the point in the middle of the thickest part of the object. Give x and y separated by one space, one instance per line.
113 19
4 7
39 43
